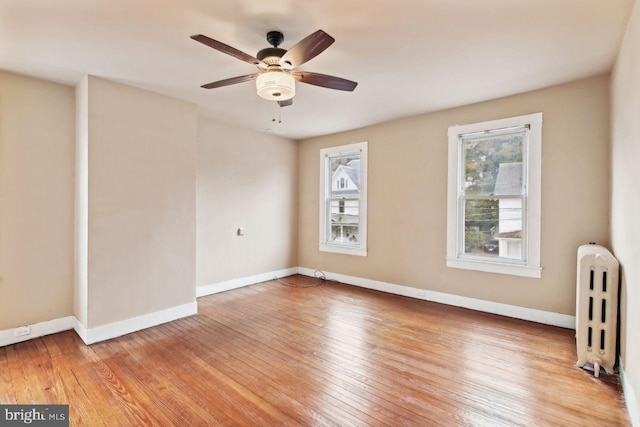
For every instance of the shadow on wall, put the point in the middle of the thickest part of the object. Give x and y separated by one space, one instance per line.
622 309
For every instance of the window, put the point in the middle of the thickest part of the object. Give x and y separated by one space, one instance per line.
343 199
493 211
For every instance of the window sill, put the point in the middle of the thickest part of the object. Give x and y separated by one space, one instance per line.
496 267
345 250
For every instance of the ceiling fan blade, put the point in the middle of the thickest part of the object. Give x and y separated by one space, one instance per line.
324 80
228 50
285 103
306 49
231 81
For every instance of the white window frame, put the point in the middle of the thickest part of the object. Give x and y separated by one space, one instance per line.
456 258
325 187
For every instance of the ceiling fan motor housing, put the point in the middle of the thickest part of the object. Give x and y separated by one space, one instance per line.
271 55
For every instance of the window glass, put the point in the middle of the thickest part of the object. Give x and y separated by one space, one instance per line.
482 160
344 199
492 193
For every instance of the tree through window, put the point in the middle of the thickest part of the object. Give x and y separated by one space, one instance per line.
493 193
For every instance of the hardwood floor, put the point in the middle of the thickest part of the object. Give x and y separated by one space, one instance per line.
270 354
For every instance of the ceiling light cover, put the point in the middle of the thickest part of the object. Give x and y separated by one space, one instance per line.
276 86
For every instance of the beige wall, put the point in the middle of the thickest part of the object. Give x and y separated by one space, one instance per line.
135 186
625 193
36 200
141 202
408 195
245 179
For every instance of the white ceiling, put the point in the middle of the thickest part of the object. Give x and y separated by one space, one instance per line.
409 56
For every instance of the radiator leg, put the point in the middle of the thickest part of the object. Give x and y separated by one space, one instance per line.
596 369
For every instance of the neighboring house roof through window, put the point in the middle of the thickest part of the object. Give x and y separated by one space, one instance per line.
509 179
352 175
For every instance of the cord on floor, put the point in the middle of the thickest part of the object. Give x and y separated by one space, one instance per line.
318 274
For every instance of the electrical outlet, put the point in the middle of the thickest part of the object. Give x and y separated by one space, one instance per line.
22 331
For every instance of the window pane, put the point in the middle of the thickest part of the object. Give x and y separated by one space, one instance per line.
493 228
345 221
493 164
480 227
510 228
345 176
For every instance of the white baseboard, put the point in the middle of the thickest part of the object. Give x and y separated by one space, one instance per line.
227 285
7 336
539 316
112 330
123 327
629 397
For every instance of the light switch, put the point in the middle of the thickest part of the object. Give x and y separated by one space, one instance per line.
240 231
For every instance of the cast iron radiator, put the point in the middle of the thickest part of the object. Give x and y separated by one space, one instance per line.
596 308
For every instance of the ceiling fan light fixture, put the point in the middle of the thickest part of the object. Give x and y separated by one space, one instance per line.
276 86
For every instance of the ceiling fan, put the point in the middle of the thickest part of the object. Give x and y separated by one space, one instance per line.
277 76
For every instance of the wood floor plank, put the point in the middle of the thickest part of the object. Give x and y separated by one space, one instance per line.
479 397
285 395
346 357
7 394
177 370
19 378
288 372
130 393
90 401
200 399
342 412
329 355
36 373
344 379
